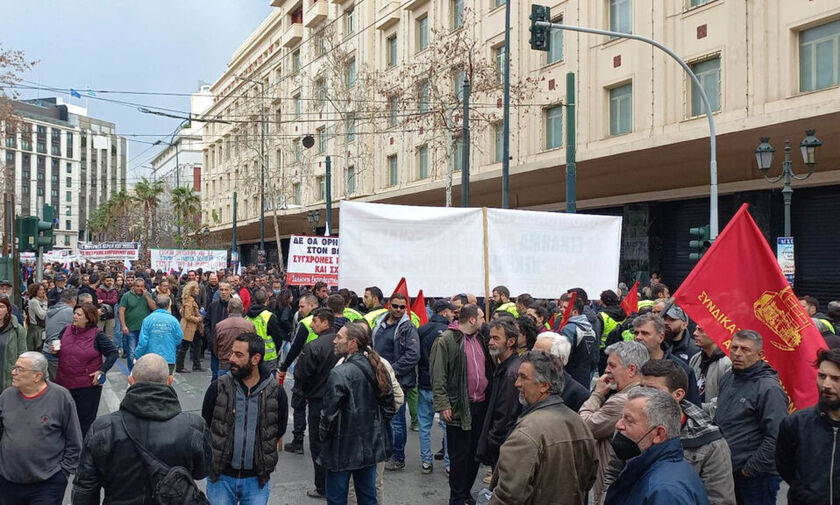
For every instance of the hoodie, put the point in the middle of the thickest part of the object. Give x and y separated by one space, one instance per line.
581 335
750 407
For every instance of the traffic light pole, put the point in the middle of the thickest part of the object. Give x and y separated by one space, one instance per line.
713 188
39 256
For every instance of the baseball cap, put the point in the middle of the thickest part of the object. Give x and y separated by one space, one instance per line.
442 305
674 311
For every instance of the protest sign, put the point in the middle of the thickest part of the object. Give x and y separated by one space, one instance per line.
181 260
312 259
109 251
60 256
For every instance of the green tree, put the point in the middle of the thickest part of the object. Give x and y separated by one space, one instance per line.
148 194
187 206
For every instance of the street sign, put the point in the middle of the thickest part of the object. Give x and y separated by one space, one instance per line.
784 255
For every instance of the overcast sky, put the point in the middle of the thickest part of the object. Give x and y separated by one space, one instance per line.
149 45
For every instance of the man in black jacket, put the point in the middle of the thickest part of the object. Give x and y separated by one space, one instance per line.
152 413
558 346
311 372
751 405
677 335
444 313
247 413
503 405
216 312
808 442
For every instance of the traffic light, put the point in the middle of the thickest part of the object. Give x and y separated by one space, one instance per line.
540 39
34 232
700 243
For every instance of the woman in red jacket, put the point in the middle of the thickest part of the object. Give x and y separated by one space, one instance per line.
85 355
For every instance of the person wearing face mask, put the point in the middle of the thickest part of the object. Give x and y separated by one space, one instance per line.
551 456
648 438
603 408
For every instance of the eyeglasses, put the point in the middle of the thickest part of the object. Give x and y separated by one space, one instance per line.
398 307
19 369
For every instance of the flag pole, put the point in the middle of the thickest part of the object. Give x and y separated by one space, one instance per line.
486 266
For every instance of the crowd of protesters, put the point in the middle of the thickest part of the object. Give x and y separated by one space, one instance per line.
563 401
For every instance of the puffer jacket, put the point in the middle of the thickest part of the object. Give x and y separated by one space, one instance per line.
548 459
353 431
751 405
406 349
110 461
15 344
584 356
658 476
808 457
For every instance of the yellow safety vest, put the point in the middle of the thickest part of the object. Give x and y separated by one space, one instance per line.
828 324
352 314
307 323
609 325
415 320
509 307
261 325
372 316
645 303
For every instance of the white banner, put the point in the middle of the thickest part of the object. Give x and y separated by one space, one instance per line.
436 249
109 251
441 250
312 259
181 260
61 256
545 253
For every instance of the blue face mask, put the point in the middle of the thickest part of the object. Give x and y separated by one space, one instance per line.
277 291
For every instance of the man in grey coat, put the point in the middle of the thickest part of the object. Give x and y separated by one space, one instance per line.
59 317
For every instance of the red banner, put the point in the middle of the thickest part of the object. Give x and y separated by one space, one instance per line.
630 303
738 285
419 308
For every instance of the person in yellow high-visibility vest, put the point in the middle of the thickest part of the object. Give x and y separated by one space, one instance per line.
350 313
501 301
303 333
373 304
267 326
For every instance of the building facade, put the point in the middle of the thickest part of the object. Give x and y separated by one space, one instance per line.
55 151
349 77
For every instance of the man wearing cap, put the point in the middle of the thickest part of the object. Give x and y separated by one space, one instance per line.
676 333
54 294
6 290
443 314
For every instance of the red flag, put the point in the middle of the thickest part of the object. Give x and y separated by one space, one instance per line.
419 308
568 312
630 303
738 285
401 288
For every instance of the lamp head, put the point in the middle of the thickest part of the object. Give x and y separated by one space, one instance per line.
809 147
764 154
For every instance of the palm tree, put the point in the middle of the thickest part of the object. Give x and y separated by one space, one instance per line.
148 193
187 207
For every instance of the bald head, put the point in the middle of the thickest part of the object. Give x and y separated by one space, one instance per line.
150 368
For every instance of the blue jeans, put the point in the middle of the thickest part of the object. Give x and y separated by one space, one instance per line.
759 490
130 345
338 483
118 336
398 429
214 365
425 418
232 491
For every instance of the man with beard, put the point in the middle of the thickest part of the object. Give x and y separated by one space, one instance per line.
677 336
247 412
807 442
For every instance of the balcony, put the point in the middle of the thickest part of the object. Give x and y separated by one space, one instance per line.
293 35
316 13
388 15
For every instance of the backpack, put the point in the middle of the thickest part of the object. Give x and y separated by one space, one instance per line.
171 485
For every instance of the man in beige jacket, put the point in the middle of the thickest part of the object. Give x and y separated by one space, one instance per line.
550 457
603 408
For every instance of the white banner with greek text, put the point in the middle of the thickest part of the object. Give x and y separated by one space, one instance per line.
312 259
181 260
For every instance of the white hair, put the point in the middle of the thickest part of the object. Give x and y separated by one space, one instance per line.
39 362
560 345
660 409
151 368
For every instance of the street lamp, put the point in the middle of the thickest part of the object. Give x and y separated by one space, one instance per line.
314 217
764 159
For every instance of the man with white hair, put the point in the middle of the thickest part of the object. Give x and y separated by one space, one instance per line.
603 409
648 438
40 437
558 346
152 415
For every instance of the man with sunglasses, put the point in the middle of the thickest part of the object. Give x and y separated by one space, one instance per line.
395 339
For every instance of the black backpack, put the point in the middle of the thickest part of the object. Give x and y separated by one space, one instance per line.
171 485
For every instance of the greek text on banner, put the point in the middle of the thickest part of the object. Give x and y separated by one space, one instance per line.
312 259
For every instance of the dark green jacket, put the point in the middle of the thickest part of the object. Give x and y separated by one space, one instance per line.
15 337
448 366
